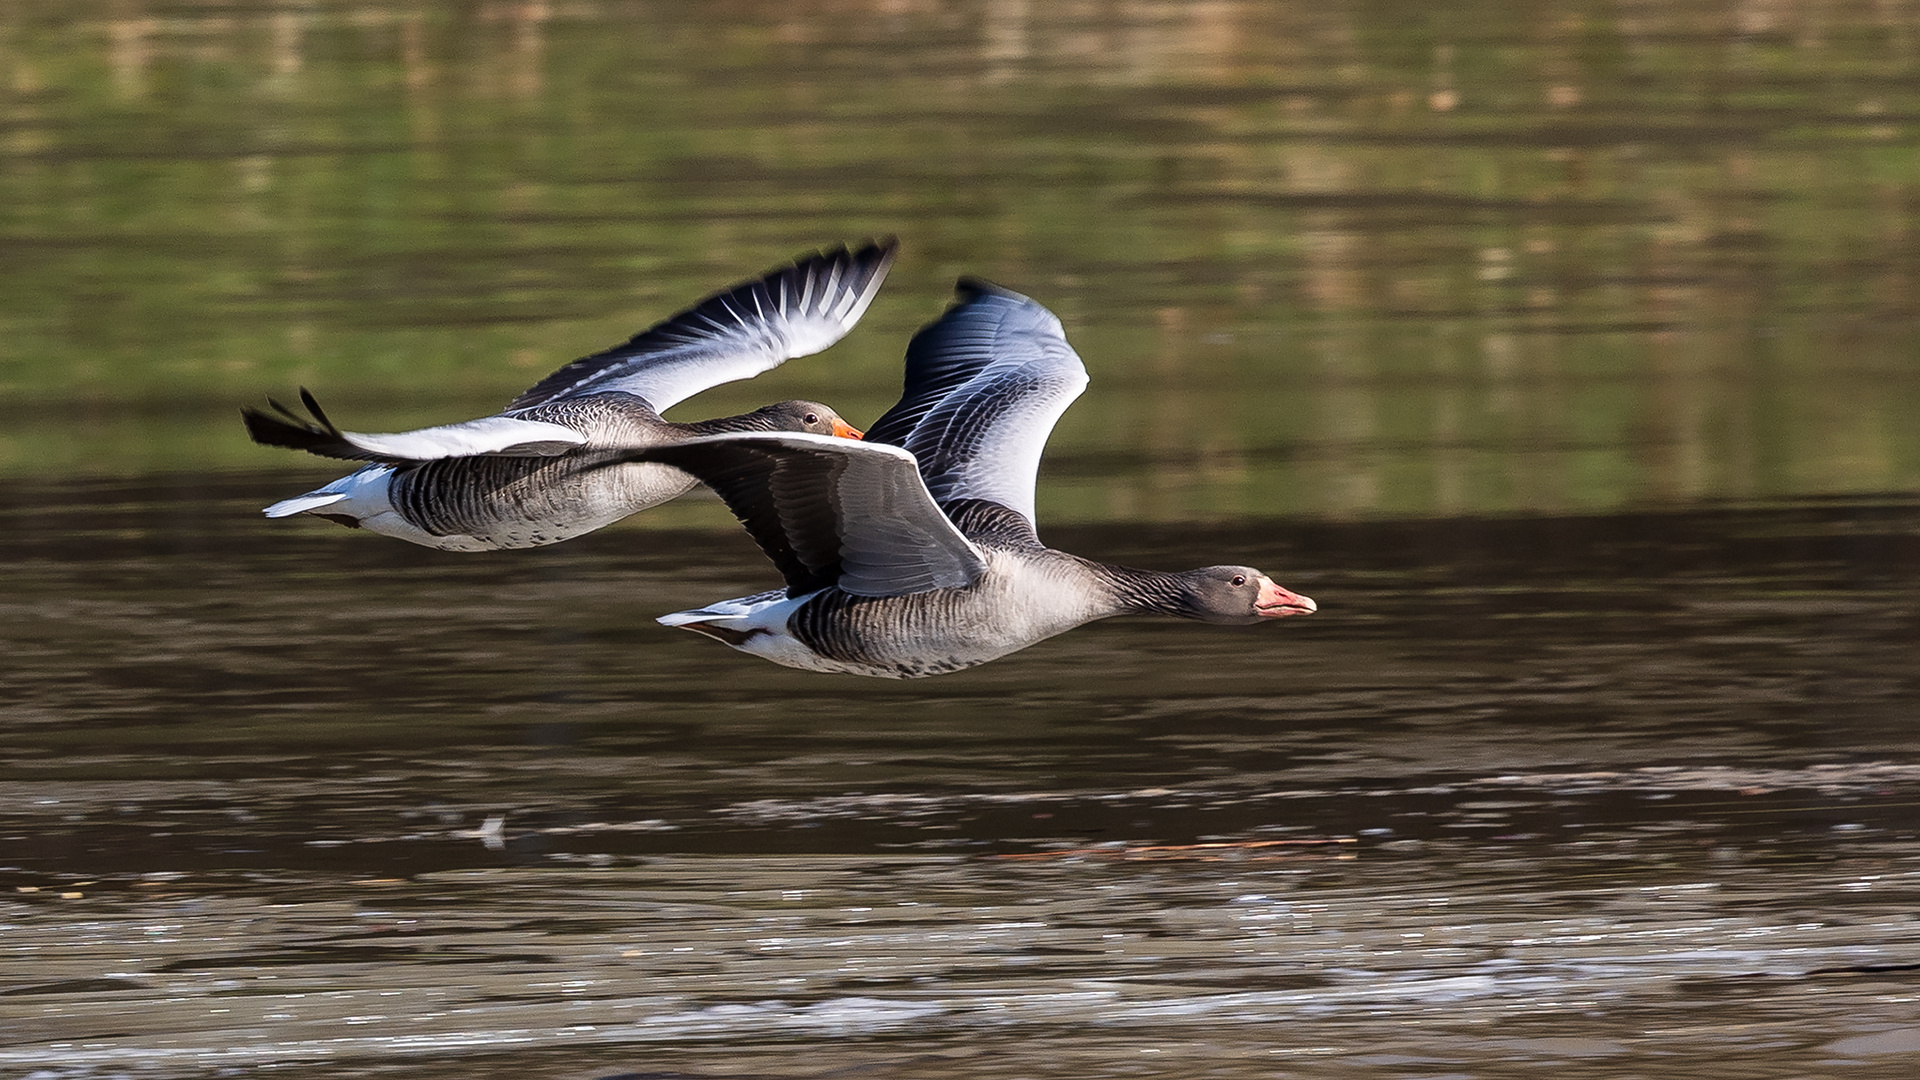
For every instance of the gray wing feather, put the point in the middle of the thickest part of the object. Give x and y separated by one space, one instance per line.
831 511
753 327
490 435
985 384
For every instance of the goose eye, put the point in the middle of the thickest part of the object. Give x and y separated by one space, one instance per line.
813 418
1239 580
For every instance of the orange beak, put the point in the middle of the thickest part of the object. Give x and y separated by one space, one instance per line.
1276 602
847 431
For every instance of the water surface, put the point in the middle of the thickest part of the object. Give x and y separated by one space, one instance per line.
1618 793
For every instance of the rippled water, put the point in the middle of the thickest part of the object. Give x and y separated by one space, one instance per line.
1615 796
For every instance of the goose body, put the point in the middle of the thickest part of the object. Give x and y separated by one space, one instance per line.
1022 598
552 466
914 553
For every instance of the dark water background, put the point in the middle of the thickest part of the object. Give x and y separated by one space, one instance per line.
1623 795
1563 352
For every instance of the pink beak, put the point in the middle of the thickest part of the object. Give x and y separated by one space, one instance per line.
1275 602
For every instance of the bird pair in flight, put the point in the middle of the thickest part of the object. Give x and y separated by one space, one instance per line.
909 552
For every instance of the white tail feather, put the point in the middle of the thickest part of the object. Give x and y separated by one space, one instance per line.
300 504
744 607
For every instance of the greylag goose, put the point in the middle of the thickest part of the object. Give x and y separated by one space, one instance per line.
538 472
914 552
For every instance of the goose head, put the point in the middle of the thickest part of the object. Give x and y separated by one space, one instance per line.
1236 596
808 416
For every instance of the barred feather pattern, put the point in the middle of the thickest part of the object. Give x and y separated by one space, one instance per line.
1029 594
514 502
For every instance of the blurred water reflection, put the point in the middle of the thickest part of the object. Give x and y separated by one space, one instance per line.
1325 258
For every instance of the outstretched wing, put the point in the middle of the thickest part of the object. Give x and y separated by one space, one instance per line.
753 327
831 511
985 384
503 435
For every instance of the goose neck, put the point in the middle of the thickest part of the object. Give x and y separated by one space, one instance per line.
1145 591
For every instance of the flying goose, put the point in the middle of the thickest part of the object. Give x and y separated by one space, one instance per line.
540 471
914 552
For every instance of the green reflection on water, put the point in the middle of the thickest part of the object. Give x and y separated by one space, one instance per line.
1321 258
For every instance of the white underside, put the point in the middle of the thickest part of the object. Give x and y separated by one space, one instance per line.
764 616
362 496
365 498
1014 606
767 613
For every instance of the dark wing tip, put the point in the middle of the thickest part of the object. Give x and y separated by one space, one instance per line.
858 270
262 427
879 250
284 430
295 432
867 263
882 249
326 425
888 248
969 288
876 258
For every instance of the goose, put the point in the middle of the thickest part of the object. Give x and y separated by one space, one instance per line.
538 473
914 552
